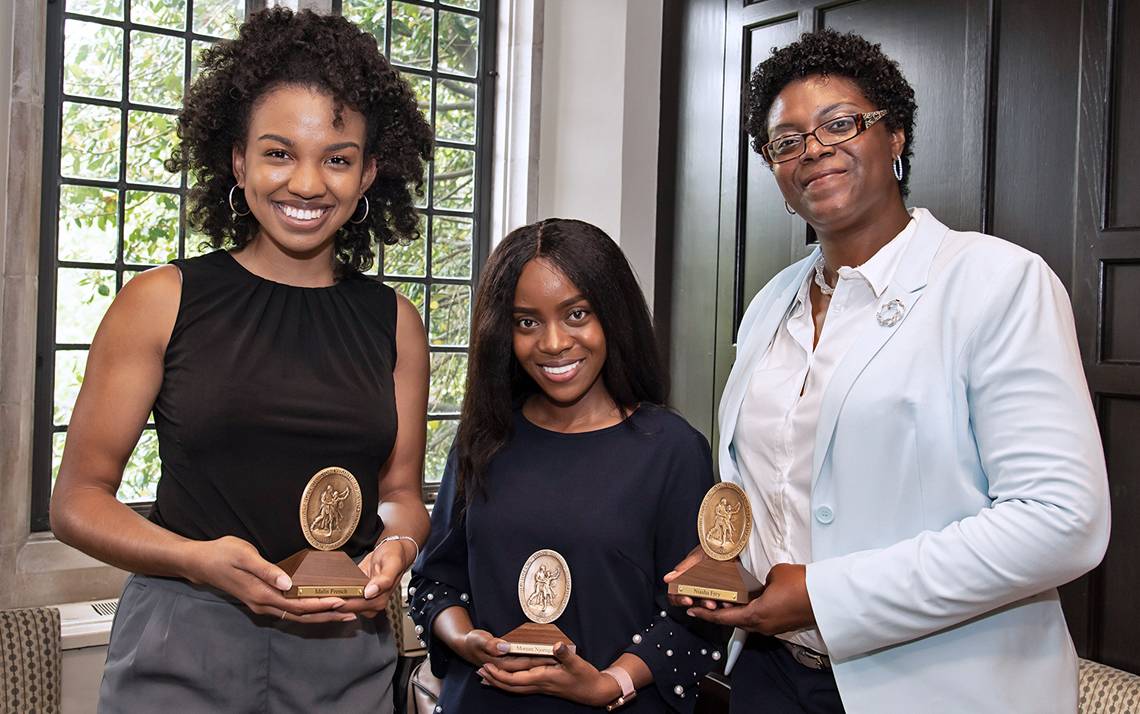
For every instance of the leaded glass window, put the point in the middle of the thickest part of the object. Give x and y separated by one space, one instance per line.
117 71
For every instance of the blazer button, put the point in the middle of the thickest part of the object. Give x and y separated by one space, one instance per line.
824 515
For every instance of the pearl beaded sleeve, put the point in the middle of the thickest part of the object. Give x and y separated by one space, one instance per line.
426 599
676 656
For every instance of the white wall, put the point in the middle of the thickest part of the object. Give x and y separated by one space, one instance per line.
597 160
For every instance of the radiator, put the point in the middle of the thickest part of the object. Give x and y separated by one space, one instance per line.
85 629
86 624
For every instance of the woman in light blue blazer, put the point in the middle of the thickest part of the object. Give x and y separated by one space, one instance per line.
909 417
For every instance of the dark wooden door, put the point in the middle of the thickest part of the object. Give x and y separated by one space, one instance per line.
1025 129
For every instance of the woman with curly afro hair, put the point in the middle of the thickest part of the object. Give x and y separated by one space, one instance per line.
264 363
909 416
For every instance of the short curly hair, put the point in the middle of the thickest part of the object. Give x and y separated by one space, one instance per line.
827 52
278 47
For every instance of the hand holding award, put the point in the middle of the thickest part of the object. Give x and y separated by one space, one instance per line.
723 525
544 593
330 512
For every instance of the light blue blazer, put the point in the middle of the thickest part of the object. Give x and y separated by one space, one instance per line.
958 479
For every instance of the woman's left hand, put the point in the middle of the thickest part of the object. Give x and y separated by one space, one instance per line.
383 566
783 606
569 677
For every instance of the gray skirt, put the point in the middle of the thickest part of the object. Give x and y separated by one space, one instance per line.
178 648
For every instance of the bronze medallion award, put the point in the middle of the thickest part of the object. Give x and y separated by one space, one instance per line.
544 593
723 525
330 512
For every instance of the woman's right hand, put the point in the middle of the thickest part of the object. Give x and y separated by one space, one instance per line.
695 556
452 626
234 566
480 647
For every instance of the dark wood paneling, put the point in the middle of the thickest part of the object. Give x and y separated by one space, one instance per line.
1116 616
748 260
771 238
1101 609
1035 130
941 47
1124 146
699 43
1120 336
672 25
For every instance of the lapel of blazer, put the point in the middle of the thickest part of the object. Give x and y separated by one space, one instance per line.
906 286
769 317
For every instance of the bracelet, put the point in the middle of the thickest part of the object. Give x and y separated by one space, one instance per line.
412 540
625 683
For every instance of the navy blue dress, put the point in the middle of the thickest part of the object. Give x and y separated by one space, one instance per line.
620 504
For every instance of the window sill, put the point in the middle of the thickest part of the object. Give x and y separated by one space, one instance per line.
42 553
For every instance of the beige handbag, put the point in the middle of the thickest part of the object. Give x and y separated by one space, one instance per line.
423 689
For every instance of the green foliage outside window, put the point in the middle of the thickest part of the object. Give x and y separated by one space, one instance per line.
101 221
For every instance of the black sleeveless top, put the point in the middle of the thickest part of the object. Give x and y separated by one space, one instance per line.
264 385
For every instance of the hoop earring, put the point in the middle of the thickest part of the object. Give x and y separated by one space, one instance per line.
789 209
897 167
356 222
237 213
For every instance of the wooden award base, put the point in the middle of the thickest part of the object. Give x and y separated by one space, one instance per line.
531 638
323 573
721 580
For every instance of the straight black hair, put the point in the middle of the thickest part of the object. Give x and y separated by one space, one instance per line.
633 373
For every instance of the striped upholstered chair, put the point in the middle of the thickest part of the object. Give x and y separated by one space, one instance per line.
29 661
1107 690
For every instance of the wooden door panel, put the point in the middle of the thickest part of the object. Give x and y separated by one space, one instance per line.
1120 333
771 238
1114 619
942 55
1123 210
1034 140
1106 302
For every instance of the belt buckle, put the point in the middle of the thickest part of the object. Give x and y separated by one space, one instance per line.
816 659
807 657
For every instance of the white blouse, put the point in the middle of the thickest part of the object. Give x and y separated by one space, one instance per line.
775 434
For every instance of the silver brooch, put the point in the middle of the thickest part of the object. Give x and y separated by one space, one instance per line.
891 313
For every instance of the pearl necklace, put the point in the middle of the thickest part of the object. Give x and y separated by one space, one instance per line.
820 280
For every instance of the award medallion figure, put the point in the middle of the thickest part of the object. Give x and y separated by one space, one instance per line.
544 592
723 525
330 512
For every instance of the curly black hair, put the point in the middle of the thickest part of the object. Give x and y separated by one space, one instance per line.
278 47
827 52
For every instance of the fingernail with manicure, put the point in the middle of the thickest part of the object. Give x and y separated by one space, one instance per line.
371 590
283 582
503 647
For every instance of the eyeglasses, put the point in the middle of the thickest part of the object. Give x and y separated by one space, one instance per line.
831 132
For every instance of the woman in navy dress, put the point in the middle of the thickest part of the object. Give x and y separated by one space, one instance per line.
564 444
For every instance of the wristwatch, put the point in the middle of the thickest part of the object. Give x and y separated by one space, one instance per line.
628 691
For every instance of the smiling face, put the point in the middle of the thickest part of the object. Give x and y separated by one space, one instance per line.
834 187
557 338
302 175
